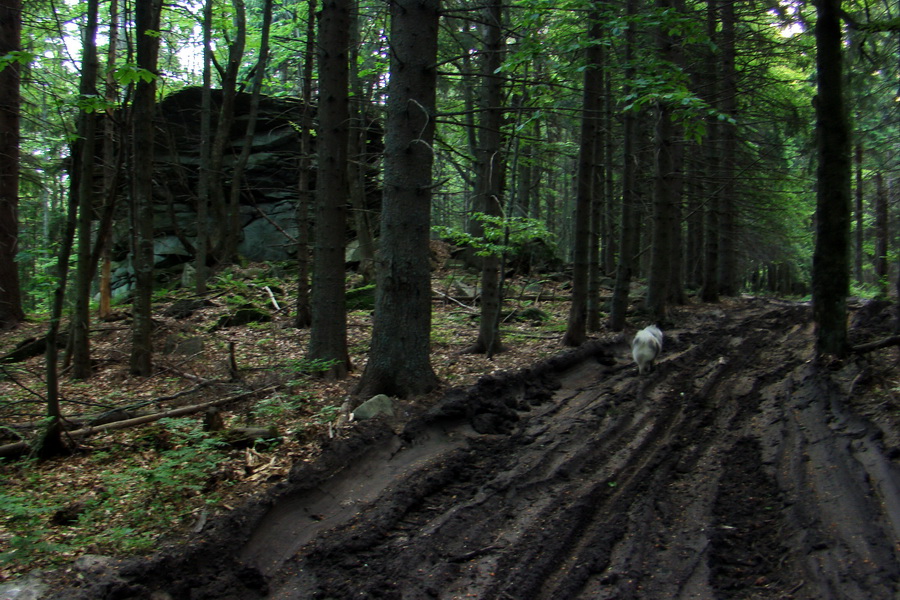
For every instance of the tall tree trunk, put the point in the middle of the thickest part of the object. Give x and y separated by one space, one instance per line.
358 163
399 360
630 222
87 133
709 291
831 280
728 209
113 154
694 223
489 183
576 327
205 174
610 240
303 318
11 312
666 190
328 335
147 16
858 254
233 230
595 270
881 235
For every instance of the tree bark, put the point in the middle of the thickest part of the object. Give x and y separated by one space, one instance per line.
576 326
303 318
11 311
489 184
666 190
595 269
222 244
113 155
728 212
709 290
358 164
328 335
831 256
147 16
87 133
237 174
881 235
204 175
399 360
858 254
630 224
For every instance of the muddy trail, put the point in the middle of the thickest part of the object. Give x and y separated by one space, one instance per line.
738 468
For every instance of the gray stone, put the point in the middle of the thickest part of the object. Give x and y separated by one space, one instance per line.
94 564
175 344
263 241
188 276
29 587
373 407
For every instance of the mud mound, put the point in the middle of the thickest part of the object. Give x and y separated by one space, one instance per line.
737 469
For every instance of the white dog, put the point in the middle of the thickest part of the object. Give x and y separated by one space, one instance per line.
646 347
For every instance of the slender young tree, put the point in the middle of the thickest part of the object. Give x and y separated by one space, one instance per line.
147 16
87 131
858 251
223 243
303 318
240 165
831 266
328 334
204 175
399 360
881 235
113 155
51 442
11 312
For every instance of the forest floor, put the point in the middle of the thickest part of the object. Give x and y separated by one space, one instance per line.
739 468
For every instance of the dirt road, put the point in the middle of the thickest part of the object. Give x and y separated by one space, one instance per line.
739 468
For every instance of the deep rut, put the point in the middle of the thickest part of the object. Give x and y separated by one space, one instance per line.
734 470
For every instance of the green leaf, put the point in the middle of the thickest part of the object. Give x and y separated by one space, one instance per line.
16 57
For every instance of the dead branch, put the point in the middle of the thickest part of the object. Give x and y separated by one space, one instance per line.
18 448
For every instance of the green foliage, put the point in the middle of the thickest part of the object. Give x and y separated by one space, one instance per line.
276 406
18 57
361 298
327 414
502 235
310 366
26 520
129 74
146 490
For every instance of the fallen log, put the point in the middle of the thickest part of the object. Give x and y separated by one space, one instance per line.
18 448
894 340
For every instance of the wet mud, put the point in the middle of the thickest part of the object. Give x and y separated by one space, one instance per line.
739 468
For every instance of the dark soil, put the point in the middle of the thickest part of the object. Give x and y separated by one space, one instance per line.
739 468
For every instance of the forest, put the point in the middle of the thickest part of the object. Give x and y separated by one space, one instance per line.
619 160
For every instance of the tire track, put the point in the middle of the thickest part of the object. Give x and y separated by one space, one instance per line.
734 470
597 493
